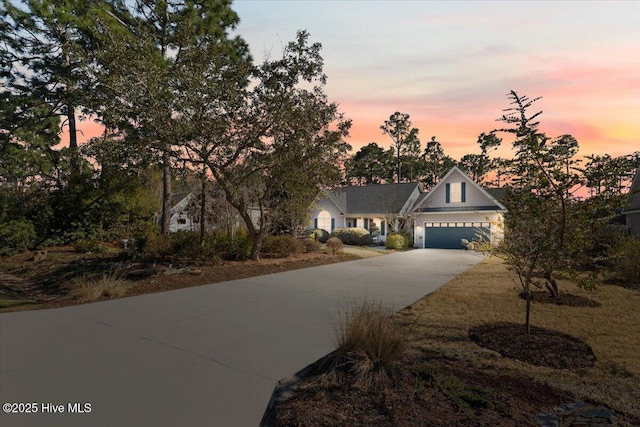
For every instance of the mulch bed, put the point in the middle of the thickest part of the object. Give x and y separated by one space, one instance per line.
442 392
543 347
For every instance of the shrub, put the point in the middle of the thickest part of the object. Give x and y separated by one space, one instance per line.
334 246
310 245
397 241
186 244
16 236
318 234
280 246
230 247
88 245
153 245
624 255
372 346
353 236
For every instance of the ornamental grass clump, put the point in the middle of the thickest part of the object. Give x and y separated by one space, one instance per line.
372 347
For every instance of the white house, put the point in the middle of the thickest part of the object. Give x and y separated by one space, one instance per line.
457 208
181 216
379 208
632 212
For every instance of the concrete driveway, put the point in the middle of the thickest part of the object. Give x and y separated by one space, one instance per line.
204 356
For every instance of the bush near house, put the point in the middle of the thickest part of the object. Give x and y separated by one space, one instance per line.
310 245
623 259
281 246
397 241
318 234
334 245
353 236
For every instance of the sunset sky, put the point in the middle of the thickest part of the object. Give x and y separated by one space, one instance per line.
450 64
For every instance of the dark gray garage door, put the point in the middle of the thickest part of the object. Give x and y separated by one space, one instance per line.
450 235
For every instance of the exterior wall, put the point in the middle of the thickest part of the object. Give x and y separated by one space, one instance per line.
633 223
474 197
469 217
410 202
175 225
330 207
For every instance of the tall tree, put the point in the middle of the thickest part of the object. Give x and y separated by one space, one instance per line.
437 163
148 66
42 49
403 135
274 145
544 169
477 166
370 165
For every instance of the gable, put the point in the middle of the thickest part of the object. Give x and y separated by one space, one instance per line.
457 192
634 193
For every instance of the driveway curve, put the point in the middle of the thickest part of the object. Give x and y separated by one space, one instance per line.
202 356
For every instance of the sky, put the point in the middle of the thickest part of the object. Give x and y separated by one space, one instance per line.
451 64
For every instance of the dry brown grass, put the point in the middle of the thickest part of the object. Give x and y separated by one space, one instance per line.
486 294
372 345
110 285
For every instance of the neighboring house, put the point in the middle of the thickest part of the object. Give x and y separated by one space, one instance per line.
457 208
181 216
379 208
632 212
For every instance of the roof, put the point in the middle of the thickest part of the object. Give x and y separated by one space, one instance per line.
373 199
633 198
461 209
496 193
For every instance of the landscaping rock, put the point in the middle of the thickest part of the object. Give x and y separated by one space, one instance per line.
577 414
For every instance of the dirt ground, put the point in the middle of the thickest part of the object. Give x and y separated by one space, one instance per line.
28 282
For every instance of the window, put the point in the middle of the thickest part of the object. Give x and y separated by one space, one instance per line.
324 221
456 192
182 221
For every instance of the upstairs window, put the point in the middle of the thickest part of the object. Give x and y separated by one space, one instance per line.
456 192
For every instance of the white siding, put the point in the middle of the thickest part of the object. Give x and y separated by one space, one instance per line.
331 208
474 196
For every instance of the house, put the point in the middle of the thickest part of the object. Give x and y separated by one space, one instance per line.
181 213
632 212
457 208
378 208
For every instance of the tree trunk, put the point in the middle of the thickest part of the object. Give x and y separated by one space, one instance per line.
551 284
73 138
203 204
399 165
166 194
527 322
256 246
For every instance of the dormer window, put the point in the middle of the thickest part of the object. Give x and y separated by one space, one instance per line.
456 192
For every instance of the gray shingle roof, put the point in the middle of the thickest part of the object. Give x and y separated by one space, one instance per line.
496 193
460 209
372 199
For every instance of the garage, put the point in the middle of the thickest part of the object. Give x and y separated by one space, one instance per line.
449 235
